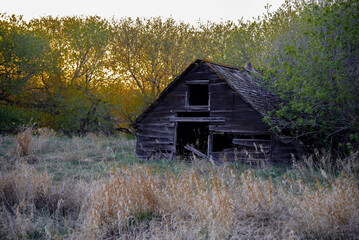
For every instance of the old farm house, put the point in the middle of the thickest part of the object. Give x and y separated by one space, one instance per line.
212 111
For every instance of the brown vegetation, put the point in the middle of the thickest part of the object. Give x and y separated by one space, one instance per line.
170 200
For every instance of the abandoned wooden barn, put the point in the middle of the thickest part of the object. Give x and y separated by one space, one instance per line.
212 111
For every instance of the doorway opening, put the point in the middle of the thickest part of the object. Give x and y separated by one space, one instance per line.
194 134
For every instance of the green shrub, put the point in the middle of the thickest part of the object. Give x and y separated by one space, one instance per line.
14 117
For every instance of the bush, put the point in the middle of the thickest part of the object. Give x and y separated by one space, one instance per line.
313 65
14 117
78 114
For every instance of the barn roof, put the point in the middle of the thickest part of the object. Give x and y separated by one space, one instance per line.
247 84
243 81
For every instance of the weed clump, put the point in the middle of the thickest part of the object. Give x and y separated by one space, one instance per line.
23 145
29 201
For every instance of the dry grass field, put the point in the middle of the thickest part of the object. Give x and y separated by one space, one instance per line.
93 187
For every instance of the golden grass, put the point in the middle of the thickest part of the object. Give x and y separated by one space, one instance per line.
23 143
203 201
326 211
29 202
218 207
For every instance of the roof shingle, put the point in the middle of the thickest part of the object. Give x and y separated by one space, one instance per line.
249 87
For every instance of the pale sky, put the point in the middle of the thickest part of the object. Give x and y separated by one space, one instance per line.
186 10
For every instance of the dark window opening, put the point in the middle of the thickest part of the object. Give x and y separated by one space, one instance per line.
222 141
198 95
263 137
255 146
194 134
193 114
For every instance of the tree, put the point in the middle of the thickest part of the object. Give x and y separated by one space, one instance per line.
26 62
82 47
149 53
315 64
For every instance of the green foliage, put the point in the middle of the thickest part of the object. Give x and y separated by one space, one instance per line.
24 59
13 118
315 66
55 66
78 114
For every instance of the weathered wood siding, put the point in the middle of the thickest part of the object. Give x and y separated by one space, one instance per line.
227 113
240 117
156 133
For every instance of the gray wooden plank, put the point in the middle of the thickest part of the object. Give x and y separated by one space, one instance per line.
195 151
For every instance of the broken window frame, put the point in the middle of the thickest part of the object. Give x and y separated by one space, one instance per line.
189 93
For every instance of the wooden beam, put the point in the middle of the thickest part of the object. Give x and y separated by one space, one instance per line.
198 82
210 144
174 150
225 128
191 110
198 107
195 151
197 119
251 140
266 144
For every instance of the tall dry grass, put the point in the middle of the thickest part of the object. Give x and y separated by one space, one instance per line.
149 201
141 204
30 203
325 211
23 144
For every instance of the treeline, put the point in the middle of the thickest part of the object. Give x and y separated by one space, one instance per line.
86 74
